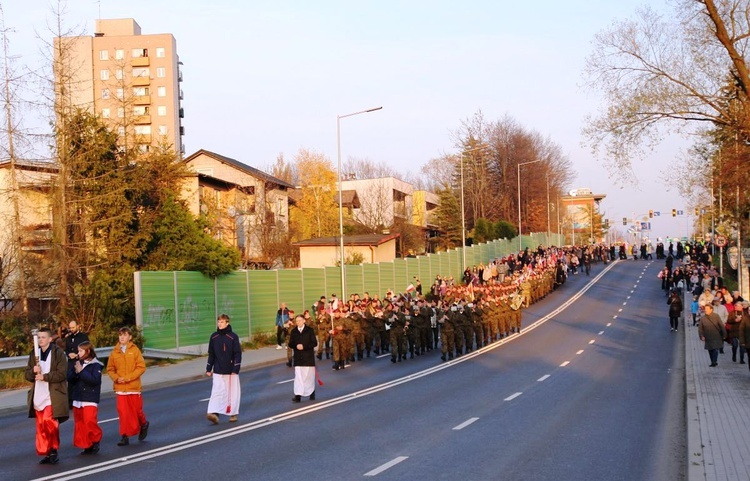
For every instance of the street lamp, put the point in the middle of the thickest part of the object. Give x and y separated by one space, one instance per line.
518 178
463 213
341 208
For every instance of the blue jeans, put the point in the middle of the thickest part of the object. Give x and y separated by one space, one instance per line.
714 355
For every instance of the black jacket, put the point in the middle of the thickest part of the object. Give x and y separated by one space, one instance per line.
224 352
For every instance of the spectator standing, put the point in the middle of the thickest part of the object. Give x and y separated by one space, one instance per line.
712 332
223 366
282 316
675 310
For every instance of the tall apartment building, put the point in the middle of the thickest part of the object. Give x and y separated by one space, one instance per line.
130 80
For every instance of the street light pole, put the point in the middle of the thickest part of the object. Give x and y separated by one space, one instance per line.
341 208
518 178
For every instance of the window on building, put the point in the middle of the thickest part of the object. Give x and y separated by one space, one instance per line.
105 113
104 74
162 130
140 52
105 94
141 72
118 74
161 72
161 111
160 52
161 91
142 129
140 91
103 54
140 110
119 54
121 112
120 94
121 131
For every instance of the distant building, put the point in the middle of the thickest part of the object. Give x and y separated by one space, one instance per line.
247 206
35 215
129 80
576 216
326 251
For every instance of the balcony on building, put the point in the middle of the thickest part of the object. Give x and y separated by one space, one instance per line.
142 100
142 119
141 81
140 62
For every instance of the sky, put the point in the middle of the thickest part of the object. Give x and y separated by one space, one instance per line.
263 78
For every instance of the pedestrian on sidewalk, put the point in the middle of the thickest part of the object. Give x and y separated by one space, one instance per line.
712 332
125 367
85 382
282 316
302 339
744 336
733 332
223 366
48 397
695 309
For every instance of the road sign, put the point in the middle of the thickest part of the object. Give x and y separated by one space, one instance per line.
657 213
679 212
721 241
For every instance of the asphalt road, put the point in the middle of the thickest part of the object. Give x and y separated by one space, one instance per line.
593 389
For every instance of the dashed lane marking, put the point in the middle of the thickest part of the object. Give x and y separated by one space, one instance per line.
387 465
592 341
465 423
565 364
513 396
543 378
579 352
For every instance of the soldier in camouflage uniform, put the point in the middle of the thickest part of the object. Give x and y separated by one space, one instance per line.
398 335
339 341
467 326
358 333
323 326
445 319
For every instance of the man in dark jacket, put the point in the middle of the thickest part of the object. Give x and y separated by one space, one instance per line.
302 339
48 397
712 332
224 359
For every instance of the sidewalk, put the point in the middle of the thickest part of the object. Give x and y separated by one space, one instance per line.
14 400
718 412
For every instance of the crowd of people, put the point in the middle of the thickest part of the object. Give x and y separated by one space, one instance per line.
722 317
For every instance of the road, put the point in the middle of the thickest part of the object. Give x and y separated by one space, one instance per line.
592 389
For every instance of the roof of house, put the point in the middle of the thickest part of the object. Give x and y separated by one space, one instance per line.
349 240
239 165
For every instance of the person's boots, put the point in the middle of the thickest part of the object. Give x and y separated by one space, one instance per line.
319 356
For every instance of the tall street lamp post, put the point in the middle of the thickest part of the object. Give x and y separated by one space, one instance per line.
341 207
518 178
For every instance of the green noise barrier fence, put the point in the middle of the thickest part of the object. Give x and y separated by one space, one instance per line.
178 310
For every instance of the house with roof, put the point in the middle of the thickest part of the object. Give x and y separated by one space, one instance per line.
246 207
326 251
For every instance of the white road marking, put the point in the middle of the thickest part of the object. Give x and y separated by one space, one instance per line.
615 316
102 421
465 423
284 382
204 400
543 378
624 303
565 364
609 324
513 396
579 352
619 310
387 465
383 355
627 297
592 341
601 333
632 291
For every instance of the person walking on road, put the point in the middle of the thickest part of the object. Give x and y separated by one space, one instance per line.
712 332
125 367
85 382
302 339
675 310
223 366
48 397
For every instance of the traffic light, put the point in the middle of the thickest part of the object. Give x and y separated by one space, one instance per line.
650 214
624 221
674 212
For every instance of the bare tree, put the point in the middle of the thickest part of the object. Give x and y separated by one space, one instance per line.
669 72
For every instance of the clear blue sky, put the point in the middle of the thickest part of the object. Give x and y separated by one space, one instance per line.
269 77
